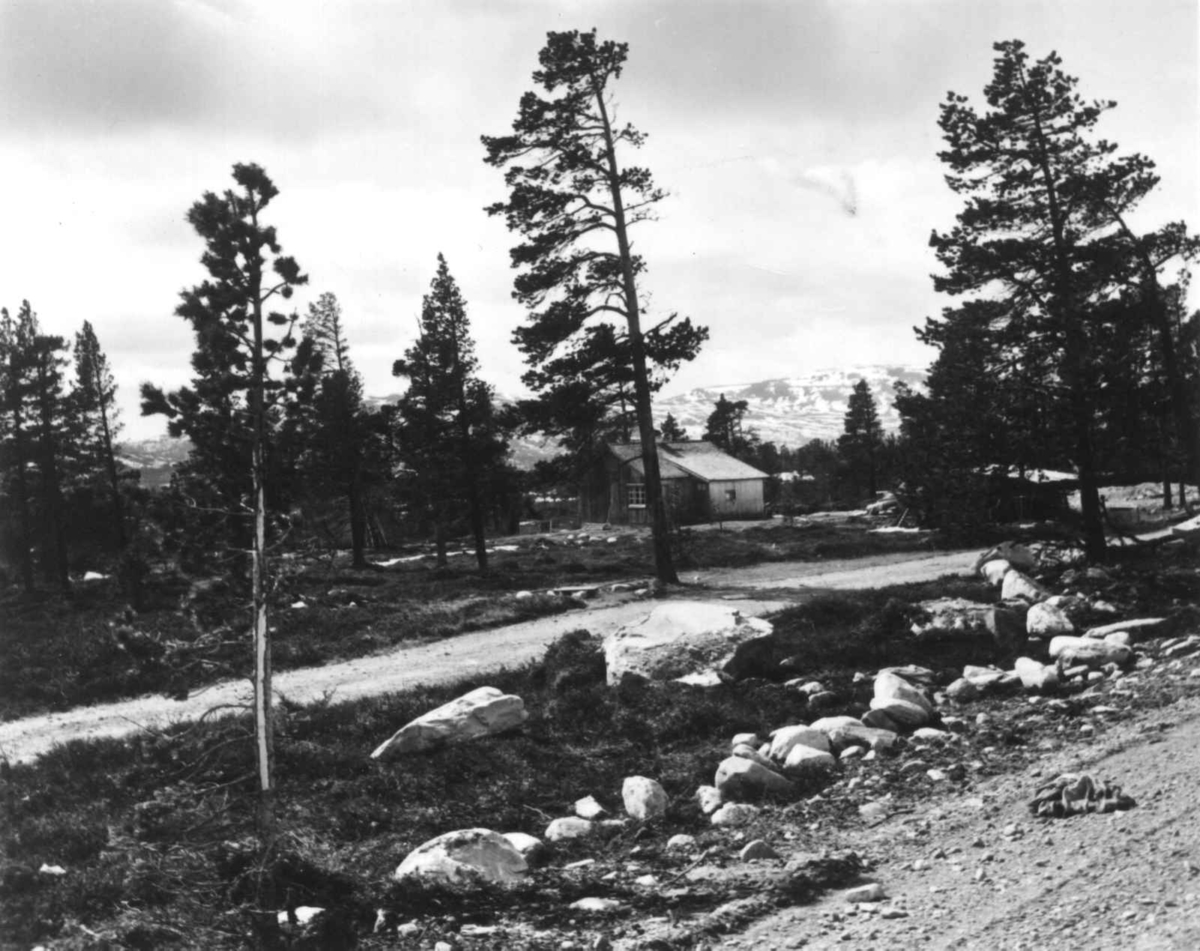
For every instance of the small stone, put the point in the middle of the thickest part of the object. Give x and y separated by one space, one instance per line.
709 798
758 849
865 893
596 905
893 912
681 841
570 827
588 808
734 814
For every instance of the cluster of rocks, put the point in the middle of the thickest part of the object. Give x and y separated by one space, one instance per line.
801 757
1030 620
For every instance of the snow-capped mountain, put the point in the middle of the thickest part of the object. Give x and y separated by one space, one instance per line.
794 410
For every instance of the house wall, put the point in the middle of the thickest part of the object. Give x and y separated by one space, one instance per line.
747 498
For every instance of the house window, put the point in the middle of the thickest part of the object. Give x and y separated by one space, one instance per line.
636 495
731 495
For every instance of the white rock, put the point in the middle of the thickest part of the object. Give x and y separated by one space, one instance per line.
681 841
1119 638
1035 675
644 798
1071 651
1137 628
482 712
808 763
993 571
930 734
890 686
983 677
1020 586
596 905
865 893
737 777
303 915
523 595
828 724
528 845
758 850
683 637
709 799
47 869
465 857
1189 529
901 712
855 734
588 808
745 739
748 752
1045 620
785 738
569 827
701 678
1015 554
810 688
734 814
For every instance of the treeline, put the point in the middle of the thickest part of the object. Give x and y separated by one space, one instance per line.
62 488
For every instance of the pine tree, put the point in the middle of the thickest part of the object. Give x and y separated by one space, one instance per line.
862 437
232 411
450 437
574 204
48 398
725 429
95 399
16 348
672 431
342 437
1034 233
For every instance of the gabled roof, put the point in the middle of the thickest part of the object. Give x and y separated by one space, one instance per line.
702 460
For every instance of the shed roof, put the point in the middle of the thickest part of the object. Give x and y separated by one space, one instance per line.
702 460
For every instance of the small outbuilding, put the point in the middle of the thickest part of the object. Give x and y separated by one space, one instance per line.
700 484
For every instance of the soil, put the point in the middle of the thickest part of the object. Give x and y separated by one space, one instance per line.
443 660
975 870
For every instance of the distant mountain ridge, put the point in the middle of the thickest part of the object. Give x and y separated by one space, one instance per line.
794 410
788 411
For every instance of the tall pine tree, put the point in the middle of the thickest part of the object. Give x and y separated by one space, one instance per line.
862 437
450 437
1033 234
95 400
574 204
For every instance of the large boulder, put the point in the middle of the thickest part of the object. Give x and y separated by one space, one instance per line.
737 777
482 712
466 857
959 618
686 637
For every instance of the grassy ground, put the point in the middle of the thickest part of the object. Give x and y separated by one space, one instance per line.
154 833
59 652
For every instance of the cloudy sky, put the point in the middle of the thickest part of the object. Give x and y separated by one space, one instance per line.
797 140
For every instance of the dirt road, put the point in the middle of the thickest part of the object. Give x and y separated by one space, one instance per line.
975 871
443 660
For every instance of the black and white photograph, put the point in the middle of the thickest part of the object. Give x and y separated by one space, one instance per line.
599 475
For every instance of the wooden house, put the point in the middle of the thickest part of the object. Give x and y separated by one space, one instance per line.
700 483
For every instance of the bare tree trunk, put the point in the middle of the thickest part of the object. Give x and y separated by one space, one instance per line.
264 719
664 567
